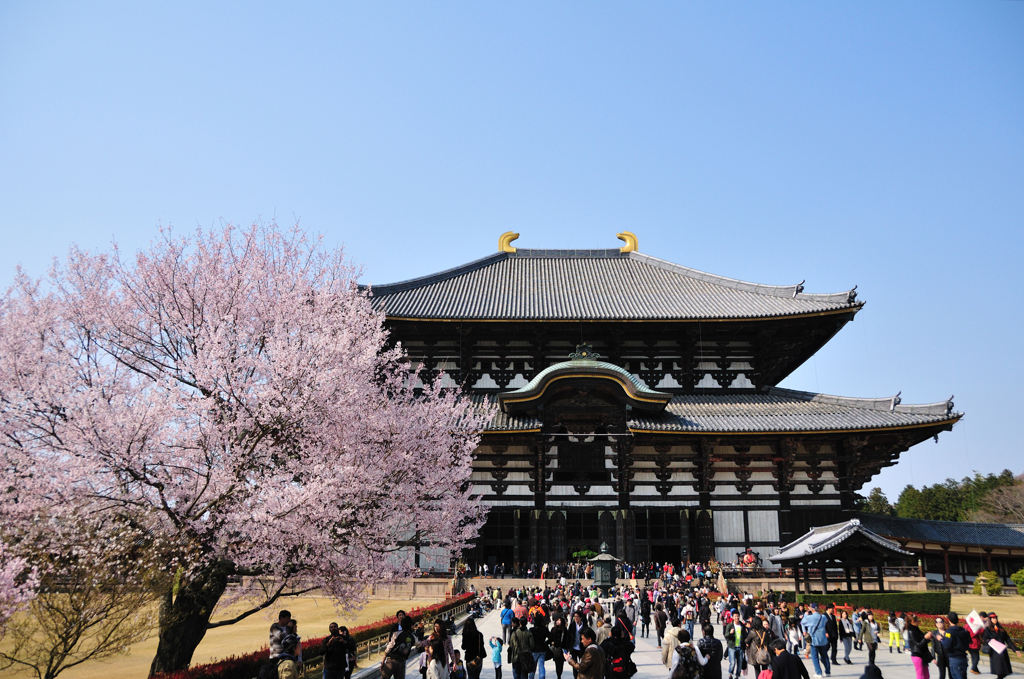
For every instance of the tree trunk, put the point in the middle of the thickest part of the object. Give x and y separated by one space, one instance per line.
184 618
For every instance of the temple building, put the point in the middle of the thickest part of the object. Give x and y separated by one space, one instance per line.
639 403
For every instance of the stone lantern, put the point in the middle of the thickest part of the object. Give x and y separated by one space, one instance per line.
604 569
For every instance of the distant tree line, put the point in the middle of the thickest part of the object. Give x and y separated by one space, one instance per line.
992 499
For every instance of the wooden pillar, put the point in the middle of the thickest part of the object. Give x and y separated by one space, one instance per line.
881 575
860 578
515 541
988 558
945 559
824 578
796 576
846 573
807 579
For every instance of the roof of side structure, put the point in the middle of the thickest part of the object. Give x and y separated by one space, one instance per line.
593 285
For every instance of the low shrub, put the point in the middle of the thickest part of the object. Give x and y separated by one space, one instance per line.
993 583
1018 579
928 603
248 665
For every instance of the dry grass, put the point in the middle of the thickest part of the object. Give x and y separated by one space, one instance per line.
313 613
1009 608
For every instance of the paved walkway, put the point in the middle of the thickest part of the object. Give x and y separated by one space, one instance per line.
648 659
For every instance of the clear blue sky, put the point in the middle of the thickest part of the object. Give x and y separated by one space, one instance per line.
870 143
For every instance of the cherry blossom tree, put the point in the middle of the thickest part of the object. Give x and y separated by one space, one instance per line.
17 585
233 395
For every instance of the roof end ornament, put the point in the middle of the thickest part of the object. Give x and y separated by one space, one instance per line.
896 400
630 240
799 288
852 295
505 241
584 352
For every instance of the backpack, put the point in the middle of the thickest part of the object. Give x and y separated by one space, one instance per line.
269 669
404 642
688 667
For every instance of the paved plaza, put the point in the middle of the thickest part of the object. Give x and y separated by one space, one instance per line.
648 659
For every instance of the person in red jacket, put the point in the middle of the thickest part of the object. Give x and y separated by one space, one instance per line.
975 648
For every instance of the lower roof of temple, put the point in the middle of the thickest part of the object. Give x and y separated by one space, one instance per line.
775 411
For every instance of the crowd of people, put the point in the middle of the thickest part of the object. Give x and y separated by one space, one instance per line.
582 570
576 629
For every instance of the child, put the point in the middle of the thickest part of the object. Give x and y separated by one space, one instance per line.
458 669
496 656
794 637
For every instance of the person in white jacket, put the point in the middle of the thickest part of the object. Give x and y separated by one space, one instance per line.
684 640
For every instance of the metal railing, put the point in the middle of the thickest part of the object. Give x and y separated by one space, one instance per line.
313 668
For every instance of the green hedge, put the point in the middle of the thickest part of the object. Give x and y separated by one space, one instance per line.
931 603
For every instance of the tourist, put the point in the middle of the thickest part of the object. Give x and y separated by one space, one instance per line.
832 630
441 633
814 625
591 664
293 628
938 650
846 635
437 667
918 645
669 642
506 615
520 651
577 648
869 636
339 653
397 652
560 640
710 648
278 631
786 664
540 645
895 632
288 664
645 614
399 616
975 648
734 638
660 620
618 652
687 659
794 637
957 641
458 668
496 646
758 640
995 636
473 647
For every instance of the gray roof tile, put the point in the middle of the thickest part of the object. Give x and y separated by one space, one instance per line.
944 532
778 410
592 285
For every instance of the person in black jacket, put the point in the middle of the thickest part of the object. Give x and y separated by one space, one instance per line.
711 648
560 639
832 630
938 650
786 665
339 653
618 654
473 649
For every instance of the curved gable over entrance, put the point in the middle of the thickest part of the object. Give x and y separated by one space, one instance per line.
583 379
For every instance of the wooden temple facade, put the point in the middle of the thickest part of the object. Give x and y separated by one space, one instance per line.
639 406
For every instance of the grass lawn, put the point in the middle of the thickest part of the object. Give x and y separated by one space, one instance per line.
313 614
1009 608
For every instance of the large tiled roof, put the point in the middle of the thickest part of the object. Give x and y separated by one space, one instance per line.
780 410
822 539
944 532
592 285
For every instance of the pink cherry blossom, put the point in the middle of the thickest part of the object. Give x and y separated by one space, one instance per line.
234 395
